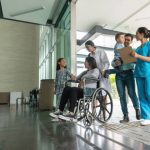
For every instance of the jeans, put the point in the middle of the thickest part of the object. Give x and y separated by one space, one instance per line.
143 85
112 71
126 79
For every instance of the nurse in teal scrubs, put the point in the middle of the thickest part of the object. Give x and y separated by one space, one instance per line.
142 73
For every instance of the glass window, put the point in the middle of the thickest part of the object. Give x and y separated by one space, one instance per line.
80 59
83 51
80 35
105 41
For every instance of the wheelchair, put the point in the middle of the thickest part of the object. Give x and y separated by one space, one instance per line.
98 106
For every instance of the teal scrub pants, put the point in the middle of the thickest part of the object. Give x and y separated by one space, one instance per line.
143 85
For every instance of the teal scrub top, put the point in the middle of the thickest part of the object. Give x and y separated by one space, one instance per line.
142 68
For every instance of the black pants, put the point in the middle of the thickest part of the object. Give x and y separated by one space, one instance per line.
71 94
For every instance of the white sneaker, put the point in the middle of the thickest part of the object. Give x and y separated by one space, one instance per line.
56 114
145 122
55 120
68 117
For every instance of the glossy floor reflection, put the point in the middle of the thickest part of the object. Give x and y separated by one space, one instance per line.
29 129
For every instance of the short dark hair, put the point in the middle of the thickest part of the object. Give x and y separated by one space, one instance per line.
118 35
91 43
91 61
145 32
130 35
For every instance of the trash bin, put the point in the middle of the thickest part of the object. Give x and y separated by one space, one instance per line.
46 94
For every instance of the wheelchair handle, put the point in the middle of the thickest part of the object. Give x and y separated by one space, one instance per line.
91 78
73 81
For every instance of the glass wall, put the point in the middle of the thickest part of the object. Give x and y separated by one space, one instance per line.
63 41
44 53
54 43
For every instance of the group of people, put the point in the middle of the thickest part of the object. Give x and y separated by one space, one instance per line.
97 65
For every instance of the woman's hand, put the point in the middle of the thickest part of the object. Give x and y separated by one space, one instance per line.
73 77
134 54
81 84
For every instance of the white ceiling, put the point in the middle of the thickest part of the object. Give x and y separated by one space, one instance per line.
119 15
35 11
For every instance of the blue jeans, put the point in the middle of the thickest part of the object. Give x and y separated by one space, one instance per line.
112 71
126 79
143 85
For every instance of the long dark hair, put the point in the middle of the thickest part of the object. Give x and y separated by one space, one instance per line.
145 32
58 61
91 61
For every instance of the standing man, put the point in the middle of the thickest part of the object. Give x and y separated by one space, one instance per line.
125 78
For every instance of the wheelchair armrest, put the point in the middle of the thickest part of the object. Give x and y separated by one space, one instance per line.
91 78
72 81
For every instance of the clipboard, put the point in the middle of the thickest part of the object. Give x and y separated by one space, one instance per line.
125 55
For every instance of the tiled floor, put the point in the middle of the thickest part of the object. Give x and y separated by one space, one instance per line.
133 129
28 129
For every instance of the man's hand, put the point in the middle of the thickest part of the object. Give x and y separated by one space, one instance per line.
117 63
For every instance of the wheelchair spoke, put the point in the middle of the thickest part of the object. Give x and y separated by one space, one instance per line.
97 106
108 103
107 110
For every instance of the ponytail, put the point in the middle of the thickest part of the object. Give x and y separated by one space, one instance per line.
145 32
148 34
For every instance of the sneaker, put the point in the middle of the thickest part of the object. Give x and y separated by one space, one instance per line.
56 114
145 122
125 119
55 120
138 115
68 117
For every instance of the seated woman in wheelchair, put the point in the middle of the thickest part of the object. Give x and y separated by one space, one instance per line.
72 94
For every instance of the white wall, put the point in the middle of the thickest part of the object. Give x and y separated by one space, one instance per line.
18 56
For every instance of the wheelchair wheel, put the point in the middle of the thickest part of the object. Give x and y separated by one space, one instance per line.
79 114
102 105
87 121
